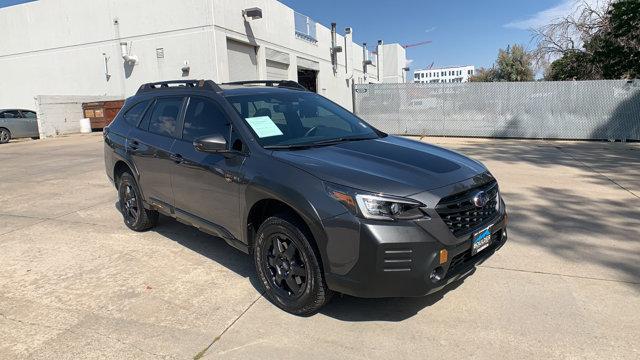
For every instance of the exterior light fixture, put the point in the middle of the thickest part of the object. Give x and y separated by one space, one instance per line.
252 13
186 68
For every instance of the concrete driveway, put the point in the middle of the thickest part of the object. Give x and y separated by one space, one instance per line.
75 283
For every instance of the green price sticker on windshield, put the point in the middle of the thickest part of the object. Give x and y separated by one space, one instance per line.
264 126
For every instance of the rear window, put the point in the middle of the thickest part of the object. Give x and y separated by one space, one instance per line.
135 113
29 114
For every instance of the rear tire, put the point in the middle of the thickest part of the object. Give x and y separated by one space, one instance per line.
288 267
136 217
5 135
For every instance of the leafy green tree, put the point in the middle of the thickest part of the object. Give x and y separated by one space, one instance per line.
484 75
595 42
615 50
514 64
574 65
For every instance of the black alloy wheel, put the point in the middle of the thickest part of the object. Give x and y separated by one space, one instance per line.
130 209
288 265
285 266
136 217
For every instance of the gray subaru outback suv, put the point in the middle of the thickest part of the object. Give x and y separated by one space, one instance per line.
322 201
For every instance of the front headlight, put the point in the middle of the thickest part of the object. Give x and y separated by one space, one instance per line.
379 207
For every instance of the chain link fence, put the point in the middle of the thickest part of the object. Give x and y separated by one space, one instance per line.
604 109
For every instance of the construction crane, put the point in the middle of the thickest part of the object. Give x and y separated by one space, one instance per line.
406 46
416 44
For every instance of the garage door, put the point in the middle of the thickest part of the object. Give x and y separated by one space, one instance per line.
277 71
243 63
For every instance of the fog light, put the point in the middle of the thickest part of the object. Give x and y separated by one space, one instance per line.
444 255
437 274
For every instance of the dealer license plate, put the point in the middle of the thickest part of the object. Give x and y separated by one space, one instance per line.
481 240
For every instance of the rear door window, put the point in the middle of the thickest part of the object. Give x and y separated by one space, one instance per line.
164 118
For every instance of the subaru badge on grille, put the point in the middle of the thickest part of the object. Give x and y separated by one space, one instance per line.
480 199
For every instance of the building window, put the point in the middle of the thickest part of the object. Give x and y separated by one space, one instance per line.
305 27
470 72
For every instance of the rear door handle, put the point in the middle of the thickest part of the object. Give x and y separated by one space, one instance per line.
134 145
176 157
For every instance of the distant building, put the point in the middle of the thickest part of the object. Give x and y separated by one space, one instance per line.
444 75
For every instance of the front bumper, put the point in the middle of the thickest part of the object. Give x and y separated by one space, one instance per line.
396 260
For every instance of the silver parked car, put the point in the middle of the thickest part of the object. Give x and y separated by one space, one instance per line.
17 123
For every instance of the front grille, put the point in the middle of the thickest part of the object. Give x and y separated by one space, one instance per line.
462 216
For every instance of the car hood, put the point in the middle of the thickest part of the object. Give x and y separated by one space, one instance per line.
389 165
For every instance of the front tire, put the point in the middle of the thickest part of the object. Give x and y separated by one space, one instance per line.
5 135
136 217
288 267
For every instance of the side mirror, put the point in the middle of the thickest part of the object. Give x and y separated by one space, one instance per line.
213 144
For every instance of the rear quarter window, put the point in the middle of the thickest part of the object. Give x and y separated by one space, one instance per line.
135 113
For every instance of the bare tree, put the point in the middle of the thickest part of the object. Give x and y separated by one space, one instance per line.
569 33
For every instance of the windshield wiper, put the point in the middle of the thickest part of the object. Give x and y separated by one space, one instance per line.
319 143
341 139
290 146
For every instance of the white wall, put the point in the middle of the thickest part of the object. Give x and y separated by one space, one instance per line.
394 61
57 46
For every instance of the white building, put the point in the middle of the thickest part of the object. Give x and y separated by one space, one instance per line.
445 75
110 47
392 58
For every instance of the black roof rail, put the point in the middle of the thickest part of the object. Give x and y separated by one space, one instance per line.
280 83
196 84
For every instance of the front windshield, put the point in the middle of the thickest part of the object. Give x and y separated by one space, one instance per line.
281 119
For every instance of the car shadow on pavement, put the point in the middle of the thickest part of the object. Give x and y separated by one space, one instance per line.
207 245
349 308
581 229
341 307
